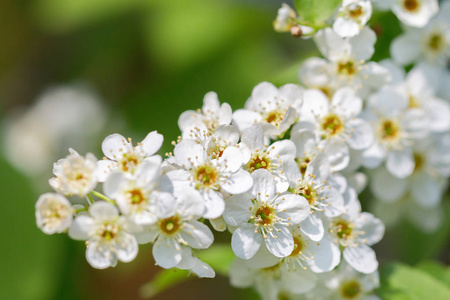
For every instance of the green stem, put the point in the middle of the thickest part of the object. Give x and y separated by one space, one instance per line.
89 199
80 210
103 197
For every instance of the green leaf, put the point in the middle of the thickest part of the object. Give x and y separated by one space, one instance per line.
163 280
401 282
437 270
316 12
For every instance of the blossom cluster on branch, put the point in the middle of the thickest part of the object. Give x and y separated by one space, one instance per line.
283 174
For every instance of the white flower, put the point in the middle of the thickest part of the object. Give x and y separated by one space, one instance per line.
431 43
107 235
54 213
209 176
336 121
270 278
223 137
257 155
75 174
321 197
395 128
61 116
177 227
308 145
355 232
419 88
352 16
121 155
194 124
319 257
345 283
346 62
140 196
285 17
427 182
415 13
263 215
275 110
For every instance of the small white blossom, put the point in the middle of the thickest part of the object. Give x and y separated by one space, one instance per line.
345 64
202 122
264 215
107 234
355 232
54 213
431 43
140 196
416 13
275 110
209 176
75 174
121 155
322 198
352 16
177 227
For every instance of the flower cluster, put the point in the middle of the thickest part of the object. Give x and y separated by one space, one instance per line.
283 174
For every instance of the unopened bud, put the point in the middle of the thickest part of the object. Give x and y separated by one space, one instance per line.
296 31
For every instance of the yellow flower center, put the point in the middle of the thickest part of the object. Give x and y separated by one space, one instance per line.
299 245
258 161
265 215
170 225
332 125
436 42
206 175
411 5
355 11
136 196
346 67
343 229
389 130
351 289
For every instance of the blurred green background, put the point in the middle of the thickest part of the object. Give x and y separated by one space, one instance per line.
149 60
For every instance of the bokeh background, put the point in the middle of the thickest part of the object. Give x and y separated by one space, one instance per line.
142 63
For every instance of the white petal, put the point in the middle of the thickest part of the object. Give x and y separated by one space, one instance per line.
282 150
197 234
404 49
228 133
103 211
361 258
387 187
225 114
128 248
346 103
326 255
372 227
262 259
238 183
319 168
237 210
211 103
80 228
245 242
373 156
232 157
167 252
280 243
426 191
100 259
253 137
104 168
244 119
315 103
400 163
112 184
190 203
362 44
299 281
263 183
264 93
338 154
360 134
292 206
114 145
152 143
346 28
333 198
188 153
214 204
312 226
